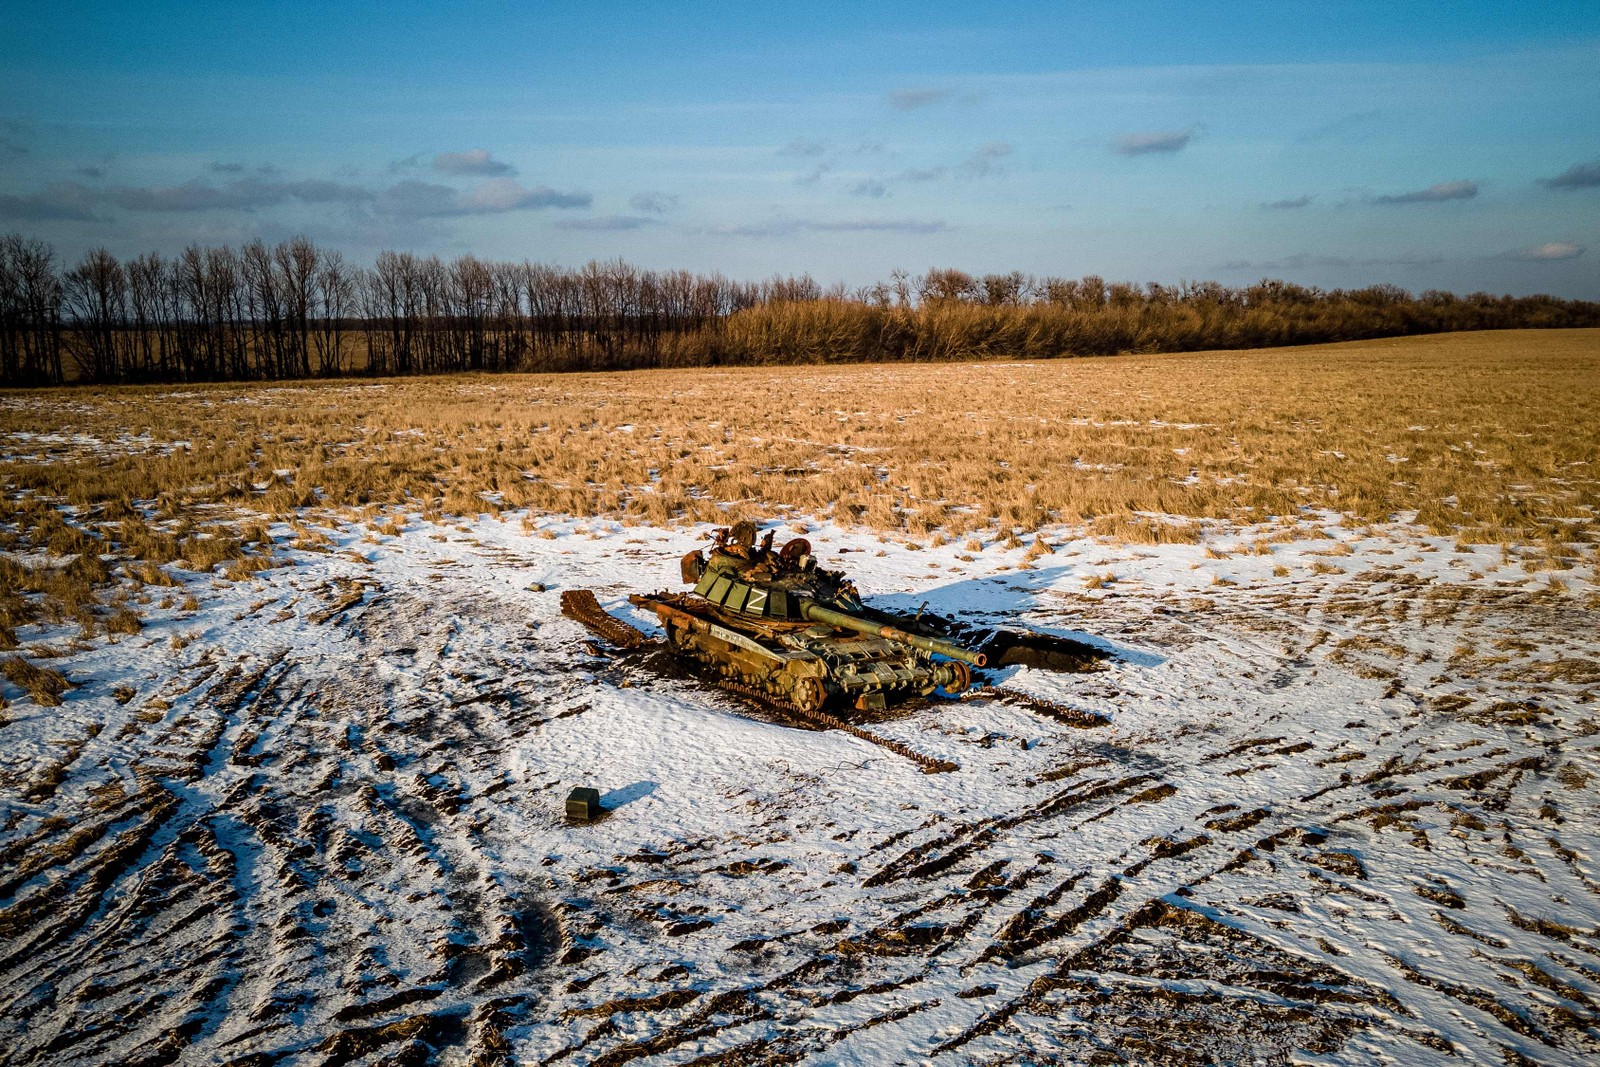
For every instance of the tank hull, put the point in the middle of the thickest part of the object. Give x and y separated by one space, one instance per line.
804 664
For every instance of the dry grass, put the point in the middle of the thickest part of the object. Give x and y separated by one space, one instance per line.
44 684
1489 437
124 621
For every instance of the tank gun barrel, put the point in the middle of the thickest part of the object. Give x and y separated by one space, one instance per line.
815 612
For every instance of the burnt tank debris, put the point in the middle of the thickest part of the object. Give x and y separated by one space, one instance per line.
771 624
774 620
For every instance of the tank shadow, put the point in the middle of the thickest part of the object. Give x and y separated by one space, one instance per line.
990 612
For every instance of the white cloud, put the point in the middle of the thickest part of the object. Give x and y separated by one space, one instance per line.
476 162
789 227
414 199
813 176
1433 194
63 202
802 147
911 99
609 222
1548 252
653 203
879 225
1139 144
1577 176
72 200
983 162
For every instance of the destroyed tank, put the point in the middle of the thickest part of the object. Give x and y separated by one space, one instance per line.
774 623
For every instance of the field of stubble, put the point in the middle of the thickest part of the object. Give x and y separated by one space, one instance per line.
290 710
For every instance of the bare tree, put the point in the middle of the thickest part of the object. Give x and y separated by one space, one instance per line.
30 312
947 284
335 299
1005 290
96 301
295 263
150 317
265 312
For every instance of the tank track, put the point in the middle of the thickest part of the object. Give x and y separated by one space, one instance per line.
581 605
1050 708
928 764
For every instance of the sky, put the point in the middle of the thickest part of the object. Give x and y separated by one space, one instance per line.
1426 144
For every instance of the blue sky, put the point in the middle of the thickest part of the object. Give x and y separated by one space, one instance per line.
1449 145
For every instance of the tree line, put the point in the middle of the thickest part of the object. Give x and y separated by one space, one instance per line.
294 310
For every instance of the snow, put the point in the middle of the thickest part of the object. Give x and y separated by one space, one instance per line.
25 446
1340 817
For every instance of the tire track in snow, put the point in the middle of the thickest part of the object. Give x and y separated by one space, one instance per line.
355 853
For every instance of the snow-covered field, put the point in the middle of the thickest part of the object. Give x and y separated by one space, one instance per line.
1342 813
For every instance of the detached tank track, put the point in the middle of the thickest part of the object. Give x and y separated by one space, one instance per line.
581 605
1060 712
928 764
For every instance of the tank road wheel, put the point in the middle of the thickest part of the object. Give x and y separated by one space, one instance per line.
960 680
792 552
808 694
